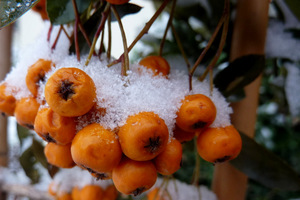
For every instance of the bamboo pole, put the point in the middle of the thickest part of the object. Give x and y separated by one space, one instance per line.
5 62
249 37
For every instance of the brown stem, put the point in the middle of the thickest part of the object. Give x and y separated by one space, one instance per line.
167 28
56 39
76 30
223 18
179 44
109 37
125 63
219 51
196 172
100 28
49 32
143 31
101 42
66 33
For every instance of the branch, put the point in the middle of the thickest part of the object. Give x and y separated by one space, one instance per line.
25 191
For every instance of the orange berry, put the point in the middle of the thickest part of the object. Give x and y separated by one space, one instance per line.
7 101
96 149
183 136
40 7
64 196
36 74
155 194
91 192
59 155
117 2
219 144
144 136
134 177
75 193
54 128
157 64
26 110
70 92
110 193
51 189
169 161
196 113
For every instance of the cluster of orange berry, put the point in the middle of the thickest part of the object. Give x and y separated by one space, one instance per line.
141 148
89 191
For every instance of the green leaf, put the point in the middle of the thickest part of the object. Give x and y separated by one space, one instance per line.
52 170
294 5
11 10
239 73
90 27
38 152
27 161
265 167
23 133
126 9
62 12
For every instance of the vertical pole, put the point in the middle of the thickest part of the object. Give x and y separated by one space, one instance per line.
249 35
5 62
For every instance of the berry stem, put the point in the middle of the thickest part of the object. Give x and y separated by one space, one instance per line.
56 39
203 53
167 27
219 51
179 44
49 32
76 30
109 36
66 33
101 48
125 62
196 173
100 28
143 31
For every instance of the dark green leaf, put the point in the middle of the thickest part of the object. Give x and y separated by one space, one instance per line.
27 161
294 5
239 73
38 152
11 10
265 167
126 9
62 12
90 27
52 170
23 133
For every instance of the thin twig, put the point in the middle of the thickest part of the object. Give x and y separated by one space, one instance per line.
100 28
101 42
76 30
66 33
26 191
49 32
109 37
125 63
196 173
56 39
222 20
219 51
179 44
144 30
162 43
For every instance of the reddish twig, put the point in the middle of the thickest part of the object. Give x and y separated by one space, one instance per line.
203 53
